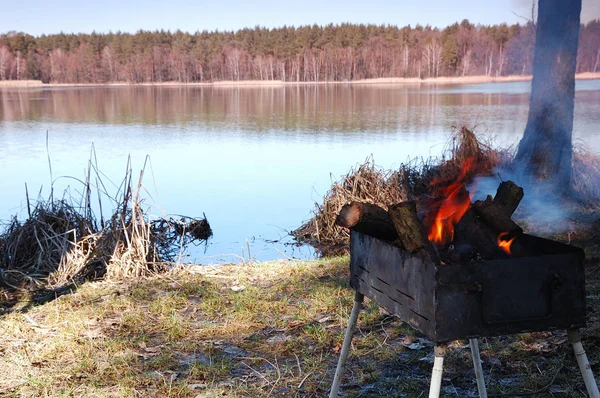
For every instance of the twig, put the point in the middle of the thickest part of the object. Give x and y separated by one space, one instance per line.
304 379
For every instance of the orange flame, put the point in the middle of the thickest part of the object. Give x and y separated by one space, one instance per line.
505 244
454 203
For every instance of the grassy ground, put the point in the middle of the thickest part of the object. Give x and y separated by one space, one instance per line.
270 329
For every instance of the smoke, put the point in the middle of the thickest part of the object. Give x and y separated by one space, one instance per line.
524 9
541 205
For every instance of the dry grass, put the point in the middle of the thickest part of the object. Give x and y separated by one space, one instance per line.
586 175
267 330
371 184
20 83
252 83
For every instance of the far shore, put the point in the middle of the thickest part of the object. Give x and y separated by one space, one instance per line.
270 83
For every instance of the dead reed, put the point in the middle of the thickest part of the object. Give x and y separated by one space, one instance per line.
372 184
63 242
586 176
365 183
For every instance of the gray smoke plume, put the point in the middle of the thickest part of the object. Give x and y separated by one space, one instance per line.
541 206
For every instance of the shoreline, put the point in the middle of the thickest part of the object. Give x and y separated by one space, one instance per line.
280 83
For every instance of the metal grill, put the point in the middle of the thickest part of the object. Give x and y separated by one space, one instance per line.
540 292
543 290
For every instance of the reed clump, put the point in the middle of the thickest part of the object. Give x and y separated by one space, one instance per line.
63 242
586 176
371 184
364 183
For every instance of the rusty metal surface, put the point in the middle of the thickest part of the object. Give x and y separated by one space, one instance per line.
488 298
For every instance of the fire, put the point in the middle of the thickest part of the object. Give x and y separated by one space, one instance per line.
505 244
455 201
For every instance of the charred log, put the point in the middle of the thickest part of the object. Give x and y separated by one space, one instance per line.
508 196
368 219
474 240
494 216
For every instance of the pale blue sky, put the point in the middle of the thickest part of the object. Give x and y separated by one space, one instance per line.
52 16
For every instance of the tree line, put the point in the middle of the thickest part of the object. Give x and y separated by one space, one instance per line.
300 54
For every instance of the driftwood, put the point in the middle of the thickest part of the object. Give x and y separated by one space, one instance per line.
367 219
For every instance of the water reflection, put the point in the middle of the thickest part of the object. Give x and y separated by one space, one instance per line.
254 159
324 108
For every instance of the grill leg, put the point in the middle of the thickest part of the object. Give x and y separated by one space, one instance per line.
584 365
358 299
478 368
436 374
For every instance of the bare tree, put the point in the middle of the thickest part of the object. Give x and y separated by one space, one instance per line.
233 55
432 56
405 60
466 62
18 61
4 57
108 62
259 65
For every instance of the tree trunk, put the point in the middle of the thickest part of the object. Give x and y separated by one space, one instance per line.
546 148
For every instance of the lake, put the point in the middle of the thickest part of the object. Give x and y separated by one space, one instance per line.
253 159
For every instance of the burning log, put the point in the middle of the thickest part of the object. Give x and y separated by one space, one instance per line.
486 228
473 239
462 231
367 219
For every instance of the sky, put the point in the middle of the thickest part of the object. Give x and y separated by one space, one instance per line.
74 16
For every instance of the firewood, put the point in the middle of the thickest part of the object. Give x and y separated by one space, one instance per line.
508 196
472 235
411 235
495 216
408 226
367 219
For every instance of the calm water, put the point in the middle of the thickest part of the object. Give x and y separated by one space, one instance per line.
253 159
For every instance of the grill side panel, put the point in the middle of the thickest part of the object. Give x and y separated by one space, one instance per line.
489 298
402 283
510 296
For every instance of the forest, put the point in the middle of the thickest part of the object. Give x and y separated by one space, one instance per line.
314 53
